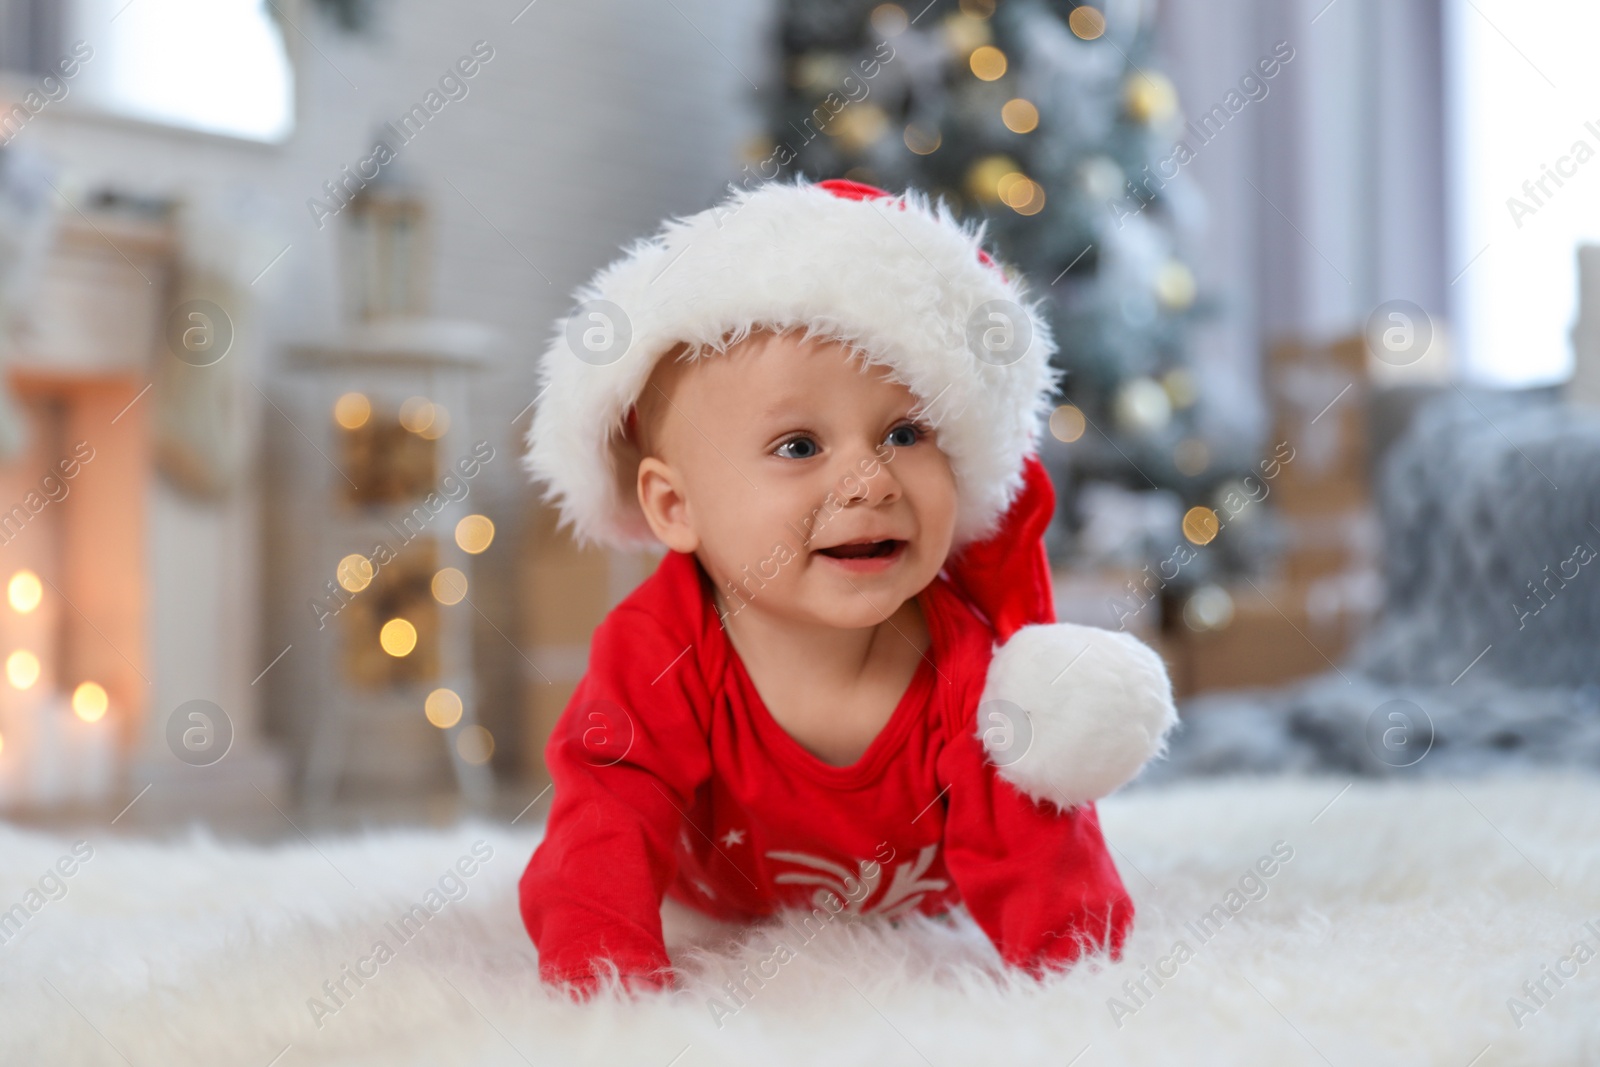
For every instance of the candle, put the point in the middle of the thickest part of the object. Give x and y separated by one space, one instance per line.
53 749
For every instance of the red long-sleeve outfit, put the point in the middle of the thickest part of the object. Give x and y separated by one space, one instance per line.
671 777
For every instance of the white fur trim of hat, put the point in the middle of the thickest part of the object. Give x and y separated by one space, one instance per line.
899 279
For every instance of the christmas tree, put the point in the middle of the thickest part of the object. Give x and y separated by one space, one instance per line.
1050 121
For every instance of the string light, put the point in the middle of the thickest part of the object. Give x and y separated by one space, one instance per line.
475 744
398 637
89 701
988 63
438 423
352 410
985 176
449 586
1191 456
1022 194
889 19
443 708
1200 525
474 534
355 572
417 414
22 669
923 142
1086 22
1020 116
24 591
1067 424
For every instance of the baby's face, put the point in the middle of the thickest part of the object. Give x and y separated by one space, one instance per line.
809 489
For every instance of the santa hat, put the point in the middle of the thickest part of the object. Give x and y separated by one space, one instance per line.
1068 713
907 286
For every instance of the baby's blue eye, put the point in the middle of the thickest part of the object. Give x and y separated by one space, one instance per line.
807 446
909 435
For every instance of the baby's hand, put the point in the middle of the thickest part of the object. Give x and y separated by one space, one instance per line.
581 989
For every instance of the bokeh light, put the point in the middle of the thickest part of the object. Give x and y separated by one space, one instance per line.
988 63
1086 22
449 586
24 591
417 414
398 637
355 572
352 410
443 708
1067 423
89 701
1200 525
22 669
475 744
1020 116
474 534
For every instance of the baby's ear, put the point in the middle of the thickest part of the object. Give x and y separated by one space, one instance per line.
665 508
1071 713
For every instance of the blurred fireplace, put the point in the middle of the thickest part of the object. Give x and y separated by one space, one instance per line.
75 692
72 508
129 584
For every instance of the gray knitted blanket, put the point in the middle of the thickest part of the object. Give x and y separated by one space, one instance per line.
1487 653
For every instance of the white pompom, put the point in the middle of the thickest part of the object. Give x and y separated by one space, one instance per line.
1095 706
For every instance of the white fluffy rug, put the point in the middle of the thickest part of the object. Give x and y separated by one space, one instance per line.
1407 920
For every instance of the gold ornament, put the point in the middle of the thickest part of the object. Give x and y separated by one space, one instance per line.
1180 387
817 68
964 34
1142 407
1022 194
923 141
889 19
1201 525
988 63
1086 22
859 125
1101 178
755 149
1192 456
1208 608
1020 116
984 177
1150 98
1175 285
1067 424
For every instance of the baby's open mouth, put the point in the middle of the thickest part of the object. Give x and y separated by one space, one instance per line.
862 550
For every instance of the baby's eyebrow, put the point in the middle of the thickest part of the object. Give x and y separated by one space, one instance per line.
781 408
792 408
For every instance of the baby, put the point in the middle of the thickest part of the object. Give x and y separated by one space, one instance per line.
824 402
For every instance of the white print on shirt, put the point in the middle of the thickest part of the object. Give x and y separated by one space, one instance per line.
904 893
733 837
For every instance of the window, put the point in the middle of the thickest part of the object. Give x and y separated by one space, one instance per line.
1523 114
220 66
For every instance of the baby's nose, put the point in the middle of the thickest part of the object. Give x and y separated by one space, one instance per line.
871 479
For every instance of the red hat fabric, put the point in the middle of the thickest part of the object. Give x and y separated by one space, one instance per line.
1008 576
852 190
